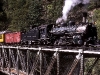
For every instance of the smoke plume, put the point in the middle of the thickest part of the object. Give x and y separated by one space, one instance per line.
68 5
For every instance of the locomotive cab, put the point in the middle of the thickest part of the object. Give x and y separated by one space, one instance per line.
90 34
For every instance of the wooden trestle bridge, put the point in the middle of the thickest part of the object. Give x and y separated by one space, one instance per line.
17 60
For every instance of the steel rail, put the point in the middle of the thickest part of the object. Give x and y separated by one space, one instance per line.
54 49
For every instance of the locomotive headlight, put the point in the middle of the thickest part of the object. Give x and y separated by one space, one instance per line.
81 29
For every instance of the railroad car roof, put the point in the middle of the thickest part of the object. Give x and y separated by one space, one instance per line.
2 32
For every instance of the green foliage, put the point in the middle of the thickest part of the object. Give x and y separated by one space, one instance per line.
3 17
88 64
97 19
17 14
35 13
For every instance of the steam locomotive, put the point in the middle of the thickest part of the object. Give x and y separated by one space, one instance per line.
83 34
52 34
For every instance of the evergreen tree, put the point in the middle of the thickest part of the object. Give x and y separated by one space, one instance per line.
17 12
35 13
3 17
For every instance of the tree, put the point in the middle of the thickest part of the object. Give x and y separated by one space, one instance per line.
3 17
97 20
35 13
17 14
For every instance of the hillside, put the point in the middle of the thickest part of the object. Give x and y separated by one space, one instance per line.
17 15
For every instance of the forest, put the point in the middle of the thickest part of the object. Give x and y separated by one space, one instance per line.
16 15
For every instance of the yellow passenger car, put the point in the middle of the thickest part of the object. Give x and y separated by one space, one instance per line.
1 37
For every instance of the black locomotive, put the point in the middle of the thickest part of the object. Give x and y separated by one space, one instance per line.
62 34
83 34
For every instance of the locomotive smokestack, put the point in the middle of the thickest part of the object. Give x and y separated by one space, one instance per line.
84 17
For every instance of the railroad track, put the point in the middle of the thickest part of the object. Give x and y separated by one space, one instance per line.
90 47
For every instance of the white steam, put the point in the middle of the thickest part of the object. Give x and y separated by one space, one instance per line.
69 4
